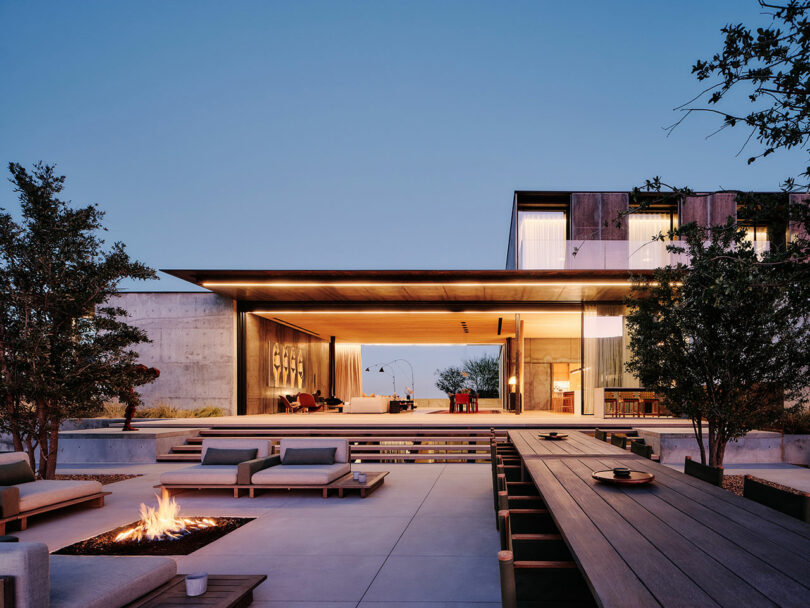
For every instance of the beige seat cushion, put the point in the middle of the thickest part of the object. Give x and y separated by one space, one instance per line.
301 474
263 446
212 474
342 445
44 492
102 581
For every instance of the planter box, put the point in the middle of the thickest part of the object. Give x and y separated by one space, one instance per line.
675 444
797 449
116 446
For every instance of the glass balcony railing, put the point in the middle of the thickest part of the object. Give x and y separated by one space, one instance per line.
537 254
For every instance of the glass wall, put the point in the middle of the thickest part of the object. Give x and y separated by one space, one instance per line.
642 227
605 349
541 239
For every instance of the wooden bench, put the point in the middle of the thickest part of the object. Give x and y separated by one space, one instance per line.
789 503
712 475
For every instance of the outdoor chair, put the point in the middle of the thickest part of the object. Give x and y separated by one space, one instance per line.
611 408
619 440
600 435
308 403
289 407
789 503
461 400
712 475
642 449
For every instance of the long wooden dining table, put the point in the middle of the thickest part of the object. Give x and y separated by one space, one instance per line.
677 541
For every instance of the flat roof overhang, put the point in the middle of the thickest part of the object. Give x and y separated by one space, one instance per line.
416 306
450 290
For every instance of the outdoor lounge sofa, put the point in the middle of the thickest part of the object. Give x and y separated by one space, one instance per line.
78 581
298 476
19 501
214 476
367 405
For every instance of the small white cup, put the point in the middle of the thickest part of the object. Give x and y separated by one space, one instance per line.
361 478
355 475
196 583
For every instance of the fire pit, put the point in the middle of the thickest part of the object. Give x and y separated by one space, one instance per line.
160 531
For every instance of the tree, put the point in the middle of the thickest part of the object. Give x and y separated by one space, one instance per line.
479 375
722 338
64 348
450 380
483 375
770 68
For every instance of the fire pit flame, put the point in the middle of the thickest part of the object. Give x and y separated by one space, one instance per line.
163 523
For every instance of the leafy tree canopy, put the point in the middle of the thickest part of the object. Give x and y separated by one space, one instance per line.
479 375
64 347
769 68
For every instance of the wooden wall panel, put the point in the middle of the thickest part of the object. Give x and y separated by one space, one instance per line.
724 204
262 389
585 216
695 209
614 203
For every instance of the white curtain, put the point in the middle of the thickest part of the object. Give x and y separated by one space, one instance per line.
348 372
605 345
541 235
643 251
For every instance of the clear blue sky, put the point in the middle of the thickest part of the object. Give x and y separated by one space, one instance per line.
355 134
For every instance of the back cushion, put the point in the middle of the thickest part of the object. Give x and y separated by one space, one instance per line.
341 445
309 456
15 472
263 446
228 455
6 457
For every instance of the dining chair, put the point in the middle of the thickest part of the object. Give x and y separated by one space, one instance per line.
463 399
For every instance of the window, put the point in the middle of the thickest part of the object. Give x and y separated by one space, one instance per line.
542 239
642 227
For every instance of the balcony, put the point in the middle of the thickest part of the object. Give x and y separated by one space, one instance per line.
537 254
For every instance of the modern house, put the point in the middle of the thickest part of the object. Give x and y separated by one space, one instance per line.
556 311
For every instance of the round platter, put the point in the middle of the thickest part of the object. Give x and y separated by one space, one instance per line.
550 437
636 478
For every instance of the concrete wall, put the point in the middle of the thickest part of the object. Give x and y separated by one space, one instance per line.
193 345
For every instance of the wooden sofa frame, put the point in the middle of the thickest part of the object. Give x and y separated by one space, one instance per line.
95 500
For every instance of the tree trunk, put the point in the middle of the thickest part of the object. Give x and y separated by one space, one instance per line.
717 445
42 439
53 448
697 427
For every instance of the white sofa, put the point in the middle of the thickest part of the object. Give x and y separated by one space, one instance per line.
226 476
307 475
20 500
79 581
367 405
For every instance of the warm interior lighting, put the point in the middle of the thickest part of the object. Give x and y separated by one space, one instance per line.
394 311
420 284
163 523
512 380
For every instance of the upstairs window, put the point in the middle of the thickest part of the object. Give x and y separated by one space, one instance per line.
542 239
641 228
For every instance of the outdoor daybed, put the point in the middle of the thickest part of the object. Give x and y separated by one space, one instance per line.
78 581
225 463
305 463
22 496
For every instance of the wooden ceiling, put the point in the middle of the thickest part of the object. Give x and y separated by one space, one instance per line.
427 328
455 290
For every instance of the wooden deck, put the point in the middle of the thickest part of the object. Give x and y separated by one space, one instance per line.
529 443
676 542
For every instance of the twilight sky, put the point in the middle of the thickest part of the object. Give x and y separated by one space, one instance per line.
355 134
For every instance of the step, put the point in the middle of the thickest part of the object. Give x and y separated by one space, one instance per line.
545 565
187 448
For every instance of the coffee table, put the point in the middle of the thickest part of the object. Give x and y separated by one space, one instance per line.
373 481
224 591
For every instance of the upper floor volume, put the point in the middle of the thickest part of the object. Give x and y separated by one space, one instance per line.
580 231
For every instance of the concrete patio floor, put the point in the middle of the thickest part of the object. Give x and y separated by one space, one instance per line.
426 539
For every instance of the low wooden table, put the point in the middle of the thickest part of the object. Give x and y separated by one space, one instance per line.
224 591
373 481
